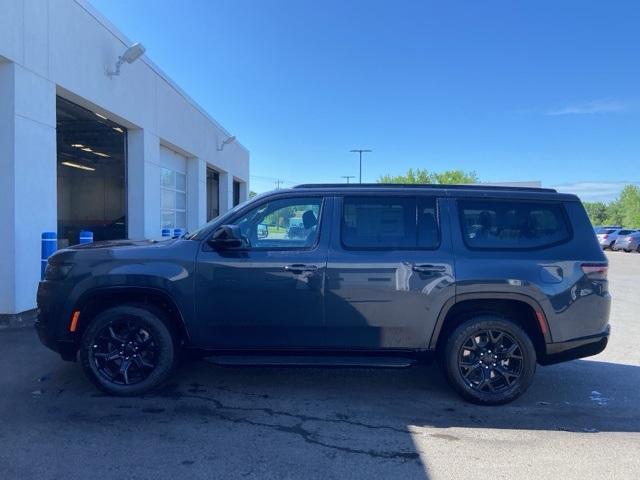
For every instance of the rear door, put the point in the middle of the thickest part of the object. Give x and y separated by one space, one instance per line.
390 270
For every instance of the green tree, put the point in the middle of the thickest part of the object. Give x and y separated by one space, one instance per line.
597 212
422 176
629 206
252 194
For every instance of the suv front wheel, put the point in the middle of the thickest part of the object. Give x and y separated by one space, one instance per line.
489 360
127 350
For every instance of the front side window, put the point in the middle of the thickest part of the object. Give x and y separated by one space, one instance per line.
173 199
282 224
389 222
512 224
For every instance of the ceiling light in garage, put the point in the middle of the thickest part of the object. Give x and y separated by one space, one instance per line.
77 145
87 149
78 166
101 116
118 129
101 154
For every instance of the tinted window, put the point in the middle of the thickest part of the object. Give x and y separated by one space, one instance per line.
625 232
384 222
284 223
512 224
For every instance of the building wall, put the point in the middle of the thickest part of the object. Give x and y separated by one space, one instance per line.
65 47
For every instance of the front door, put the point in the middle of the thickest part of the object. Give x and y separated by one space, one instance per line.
390 271
269 292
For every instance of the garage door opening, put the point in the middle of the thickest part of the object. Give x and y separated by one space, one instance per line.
92 165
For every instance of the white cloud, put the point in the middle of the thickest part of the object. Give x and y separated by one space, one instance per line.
606 105
593 191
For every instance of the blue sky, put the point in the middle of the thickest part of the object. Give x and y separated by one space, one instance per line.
545 90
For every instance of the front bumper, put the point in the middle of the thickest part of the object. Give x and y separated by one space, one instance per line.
576 348
50 325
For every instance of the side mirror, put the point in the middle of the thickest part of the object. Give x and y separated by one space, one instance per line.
226 237
262 231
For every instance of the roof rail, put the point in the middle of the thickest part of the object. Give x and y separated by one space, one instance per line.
434 186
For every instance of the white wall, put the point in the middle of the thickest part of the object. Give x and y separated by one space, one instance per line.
64 47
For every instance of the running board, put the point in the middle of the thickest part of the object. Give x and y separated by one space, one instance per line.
309 361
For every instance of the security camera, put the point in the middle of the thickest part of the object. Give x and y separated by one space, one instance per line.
130 55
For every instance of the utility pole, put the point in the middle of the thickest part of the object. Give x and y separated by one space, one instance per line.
348 177
278 182
360 152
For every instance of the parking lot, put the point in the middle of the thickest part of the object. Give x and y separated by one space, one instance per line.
579 419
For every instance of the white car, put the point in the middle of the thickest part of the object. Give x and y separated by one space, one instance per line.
608 237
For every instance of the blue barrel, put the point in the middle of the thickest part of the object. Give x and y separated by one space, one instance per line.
86 236
49 245
178 232
166 232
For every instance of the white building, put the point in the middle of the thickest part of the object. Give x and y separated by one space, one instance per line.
122 156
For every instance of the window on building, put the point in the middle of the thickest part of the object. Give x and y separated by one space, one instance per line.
389 223
213 194
173 199
512 224
236 193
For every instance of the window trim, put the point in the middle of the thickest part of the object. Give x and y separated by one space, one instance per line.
242 212
559 203
438 208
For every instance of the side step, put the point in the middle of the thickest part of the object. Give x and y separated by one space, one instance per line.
309 361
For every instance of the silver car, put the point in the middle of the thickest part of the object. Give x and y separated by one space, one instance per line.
628 243
607 238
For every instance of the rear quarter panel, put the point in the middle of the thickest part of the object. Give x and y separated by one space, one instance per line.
574 306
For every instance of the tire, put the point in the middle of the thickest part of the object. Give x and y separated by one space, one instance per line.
127 350
469 355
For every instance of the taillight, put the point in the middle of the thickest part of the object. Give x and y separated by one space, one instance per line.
605 236
595 270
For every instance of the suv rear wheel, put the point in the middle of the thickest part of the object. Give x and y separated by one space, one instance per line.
489 360
127 350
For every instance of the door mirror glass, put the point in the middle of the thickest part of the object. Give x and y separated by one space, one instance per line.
262 231
226 237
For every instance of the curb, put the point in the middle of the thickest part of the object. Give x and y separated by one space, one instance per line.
18 320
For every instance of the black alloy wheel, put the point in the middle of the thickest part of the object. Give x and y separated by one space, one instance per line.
128 350
489 360
124 352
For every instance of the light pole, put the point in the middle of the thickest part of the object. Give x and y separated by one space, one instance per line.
347 177
360 152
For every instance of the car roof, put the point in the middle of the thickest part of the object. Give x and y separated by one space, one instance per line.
478 190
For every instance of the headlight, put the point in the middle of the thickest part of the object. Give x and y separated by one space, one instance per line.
57 271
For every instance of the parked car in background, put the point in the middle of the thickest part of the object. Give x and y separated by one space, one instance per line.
628 243
607 238
602 228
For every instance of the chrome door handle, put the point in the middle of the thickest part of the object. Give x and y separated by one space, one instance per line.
299 268
426 268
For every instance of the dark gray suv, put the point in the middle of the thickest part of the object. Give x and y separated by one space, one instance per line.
491 280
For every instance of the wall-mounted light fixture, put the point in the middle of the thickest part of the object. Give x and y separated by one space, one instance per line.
226 142
130 55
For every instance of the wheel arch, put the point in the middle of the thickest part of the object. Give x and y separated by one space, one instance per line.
99 299
524 310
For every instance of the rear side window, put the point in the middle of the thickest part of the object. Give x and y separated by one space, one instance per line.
389 223
501 224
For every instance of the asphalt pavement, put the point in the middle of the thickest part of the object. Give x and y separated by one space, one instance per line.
579 420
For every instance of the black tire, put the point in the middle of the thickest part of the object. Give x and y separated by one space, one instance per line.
467 361
131 336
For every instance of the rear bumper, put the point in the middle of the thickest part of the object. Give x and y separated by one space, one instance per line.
576 348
